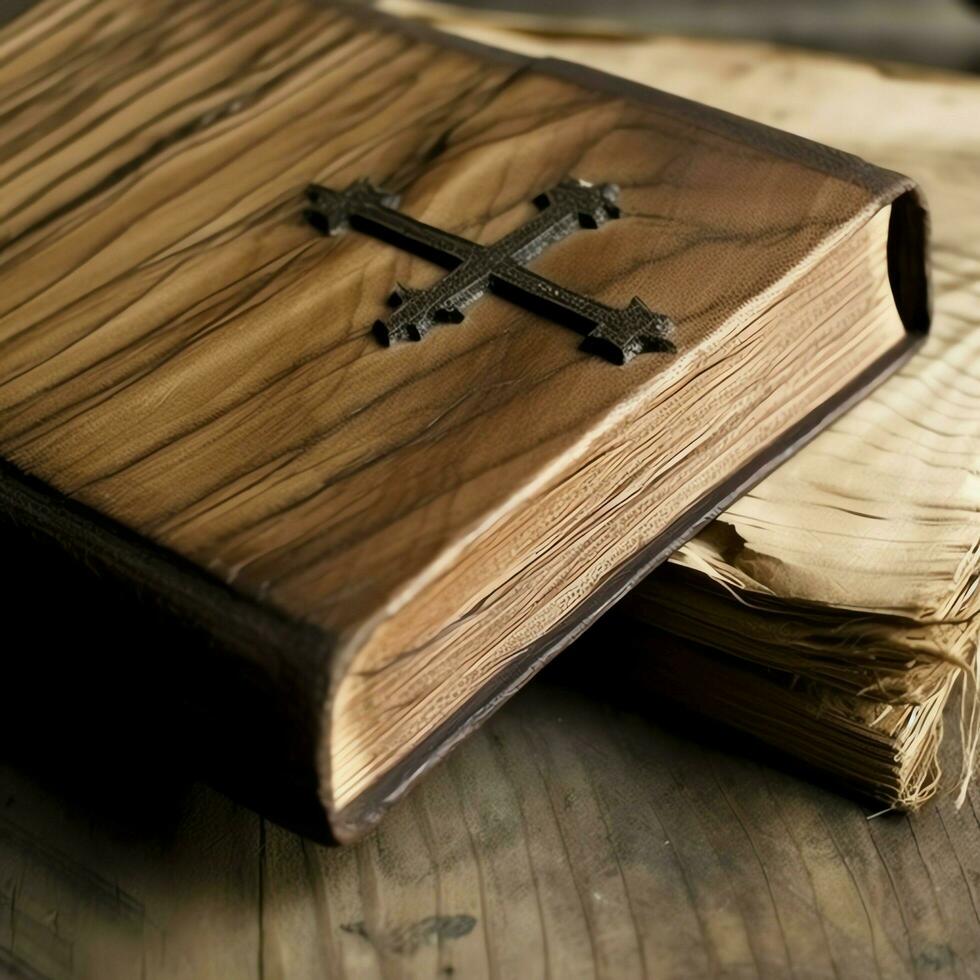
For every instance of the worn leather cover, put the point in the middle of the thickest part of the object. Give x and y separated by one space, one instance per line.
190 401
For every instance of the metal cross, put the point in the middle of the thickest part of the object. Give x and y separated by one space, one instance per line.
615 334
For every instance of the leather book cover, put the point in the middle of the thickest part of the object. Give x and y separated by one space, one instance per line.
380 363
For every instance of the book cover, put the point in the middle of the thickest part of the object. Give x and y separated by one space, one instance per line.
386 362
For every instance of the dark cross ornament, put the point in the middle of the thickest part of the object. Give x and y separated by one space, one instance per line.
615 334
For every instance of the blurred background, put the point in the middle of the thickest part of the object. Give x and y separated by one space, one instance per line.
943 33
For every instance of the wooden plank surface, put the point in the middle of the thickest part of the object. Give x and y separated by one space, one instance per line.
573 836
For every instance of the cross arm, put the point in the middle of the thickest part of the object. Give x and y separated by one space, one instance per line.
616 334
365 208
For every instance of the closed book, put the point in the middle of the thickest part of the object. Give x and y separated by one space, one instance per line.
381 363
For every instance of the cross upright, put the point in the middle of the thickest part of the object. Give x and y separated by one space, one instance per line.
473 269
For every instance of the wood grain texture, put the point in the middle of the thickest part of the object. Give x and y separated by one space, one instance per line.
183 355
571 837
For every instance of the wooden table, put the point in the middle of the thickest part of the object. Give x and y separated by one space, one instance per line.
574 836
569 838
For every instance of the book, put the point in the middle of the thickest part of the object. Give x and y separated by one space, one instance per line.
850 573
862 686
610 312
886 753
